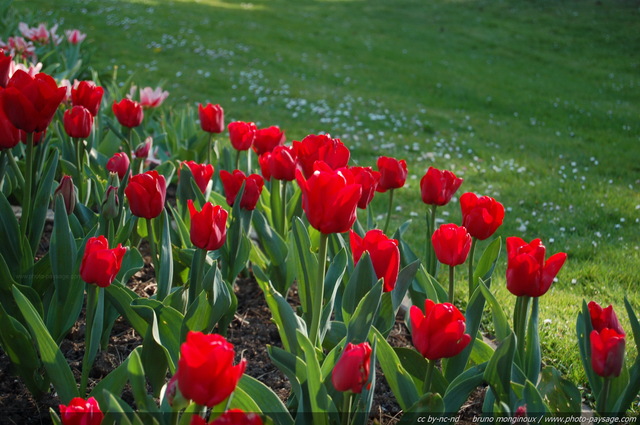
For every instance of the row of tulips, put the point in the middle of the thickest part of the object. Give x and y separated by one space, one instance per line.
351 275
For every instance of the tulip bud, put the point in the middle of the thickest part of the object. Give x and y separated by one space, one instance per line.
384 252
113 180
80 411
451 244
68 192
111 204
351 371
607 352
142 150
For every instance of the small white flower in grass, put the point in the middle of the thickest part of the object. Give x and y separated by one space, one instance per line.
574 281
547 321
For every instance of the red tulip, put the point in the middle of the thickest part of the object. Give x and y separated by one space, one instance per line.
68 192
78 122
6 68
320 148
206 374
100 265
119 163
368 178
87 94
280 163
267 139
202 173
604 318
81 412
232 183
451 244
211 118
143 149
351 372
384 254
329 198
607 352
208 226
30 102
439 332
242 134
527 272
438 186
237 417
9 134
481 215
146 194
393 173
128 112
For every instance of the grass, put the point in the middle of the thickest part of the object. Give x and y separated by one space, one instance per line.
533 103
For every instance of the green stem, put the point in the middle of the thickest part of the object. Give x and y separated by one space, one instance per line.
80 166
520 324
426 385
318 291
26 194
93 292
472 283
196 275
15 168
386 223
283 199
128 144
209 148
604 395
152 246
238 160
451 276
430 255
347 399
3 164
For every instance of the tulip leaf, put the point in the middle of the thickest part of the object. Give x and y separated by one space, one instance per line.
11 248
498 371
306 265
182 229
462 386
499 318
364 316
424 285
270 242
138 384
533 399
414 363
391 301
583 330
197 317
54 362
41 200
487 263
481 353
264 398
362 279
121 297
560 395
220 296
633 320
114 382
132 262
295 369
332 281
336 333
630 392
316 390
533 358
165 275
117 411
429 403
397 377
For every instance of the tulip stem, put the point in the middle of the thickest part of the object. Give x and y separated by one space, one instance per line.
3 164
15 168
209 148
604 395
347 400
386 223
451 276
238 160
93 297
426 385
26 194
283 199
196 275
430 255
318 291
152 247
520 324
472 283
80 164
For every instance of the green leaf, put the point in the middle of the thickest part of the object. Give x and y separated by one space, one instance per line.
332 281
633 320
487 263
533 358
361 281
583 330
121 297
197 317
270 242
429 403
481 353
499 318
498 371
295 369
11 250
306 265
114 382
462 386
265 399
366 312
397 377
559 394
41 199
533 399
414 363
52 358
138 384
165 275
317 391
132 262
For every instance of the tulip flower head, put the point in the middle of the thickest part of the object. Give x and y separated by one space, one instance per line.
87 94
78 122
242 134
527 271
68 192
146 194
81 412
451 244
329 198
7 68
208 226
75 36
150 98
232 183
202 173
128 112
384 253
604 318
280 164
9 134
118 163
211 118
268 138
393 173
481 215
439 331
323 148
351 372
206 374
100 265
368 178
237 417
607 352
438 186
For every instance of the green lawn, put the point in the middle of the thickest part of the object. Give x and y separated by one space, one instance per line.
534 103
